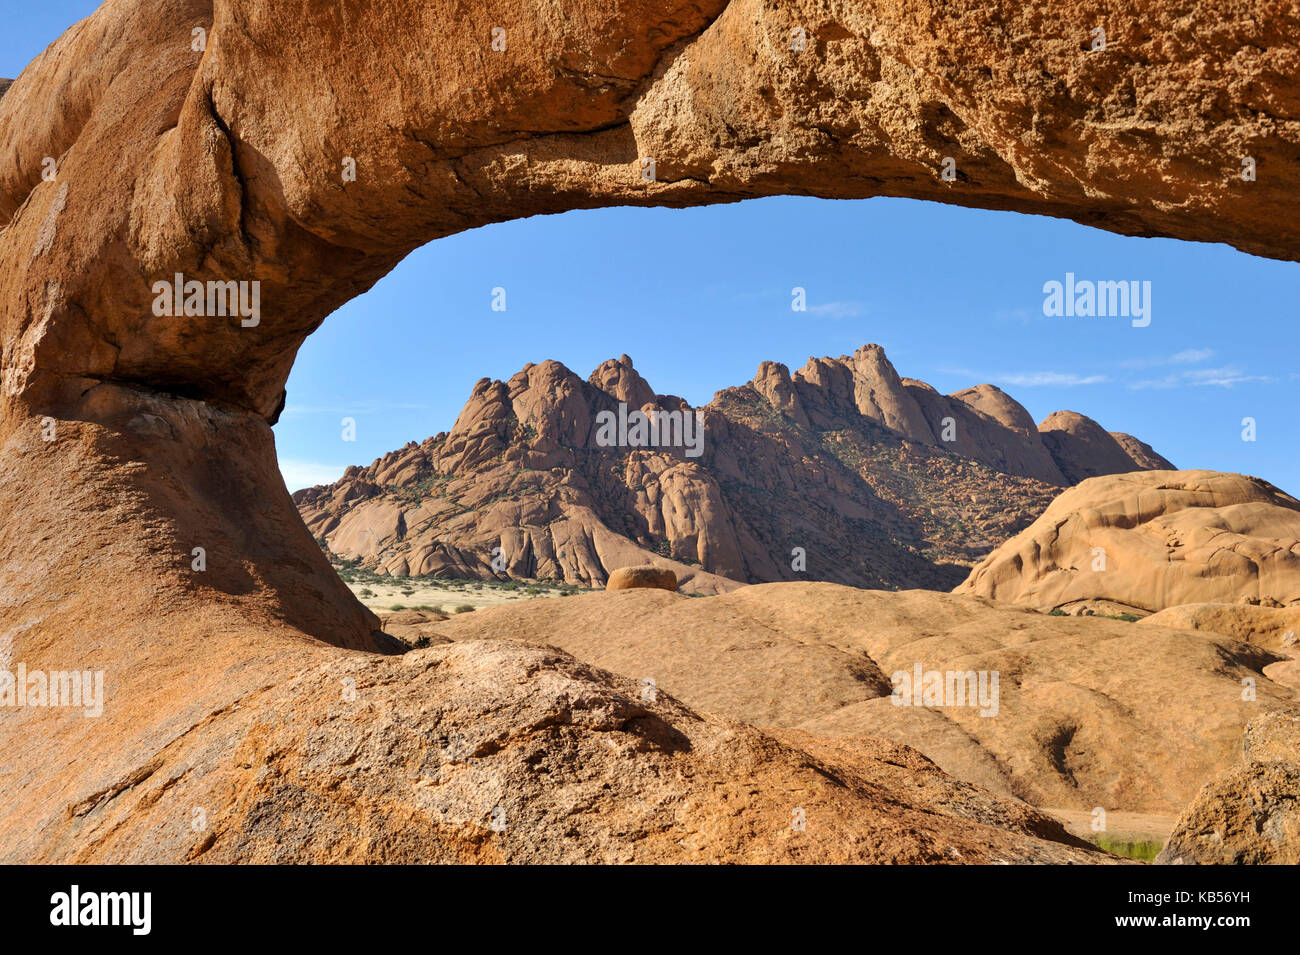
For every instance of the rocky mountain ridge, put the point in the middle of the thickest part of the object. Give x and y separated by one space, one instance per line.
842 471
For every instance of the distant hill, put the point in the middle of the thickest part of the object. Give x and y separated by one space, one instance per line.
842 472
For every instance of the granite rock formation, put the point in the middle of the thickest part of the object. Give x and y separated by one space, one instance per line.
878 480
212 140
1088 711
1250 814
1151 540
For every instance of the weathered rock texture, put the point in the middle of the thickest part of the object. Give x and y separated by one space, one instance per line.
224 163
879 480
1249 815
488 752
1149 540
1273 627
1091 712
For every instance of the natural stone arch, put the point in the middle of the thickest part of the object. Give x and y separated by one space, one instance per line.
225 164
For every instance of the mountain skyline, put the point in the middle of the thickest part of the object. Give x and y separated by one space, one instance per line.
842 471
400 358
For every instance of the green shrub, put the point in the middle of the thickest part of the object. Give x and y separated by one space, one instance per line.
1144 850
464 608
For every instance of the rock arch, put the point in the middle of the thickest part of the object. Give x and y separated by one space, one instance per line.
224 163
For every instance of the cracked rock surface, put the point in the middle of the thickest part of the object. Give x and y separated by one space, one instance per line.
130 439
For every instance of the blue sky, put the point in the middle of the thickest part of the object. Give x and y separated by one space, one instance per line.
699 297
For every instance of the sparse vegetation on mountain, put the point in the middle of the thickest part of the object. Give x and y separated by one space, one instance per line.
843 459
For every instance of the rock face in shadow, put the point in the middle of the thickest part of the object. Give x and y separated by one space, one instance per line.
878 480
1249 815
1150 540
991 426
1141 453
132 438
1082 450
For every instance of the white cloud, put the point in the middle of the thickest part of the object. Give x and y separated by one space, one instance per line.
1223 377
1202 378
1189 356
299 474
1057 379
1031 379
836 309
